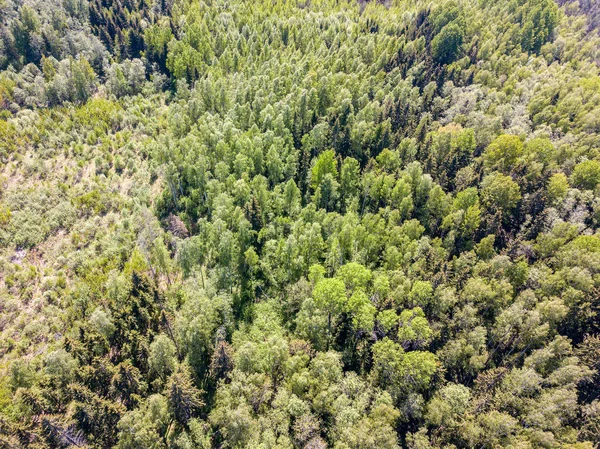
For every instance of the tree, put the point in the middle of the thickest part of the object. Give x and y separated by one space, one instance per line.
586 175
20 375
222 360
414 330
327 193
126 78
83 78
330 296
25 31
400 372
157 38
442 16
465 215
363 311
449 405
163 356
502 154
292 197
325 164
539 18
349 178
146 426
446 45
103 322
420 293
354 275
500 192
384 217
558 186
184 397
60 366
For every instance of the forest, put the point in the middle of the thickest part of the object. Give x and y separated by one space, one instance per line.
299 224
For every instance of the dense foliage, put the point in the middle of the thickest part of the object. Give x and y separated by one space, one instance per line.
299 224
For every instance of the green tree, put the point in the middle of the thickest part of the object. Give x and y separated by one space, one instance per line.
163 356
503 153
539 18
586 175
350 178
326 164
60 366
414 331
500 192
363 311
146 426
330 296
446 45
184 398
400 372
354 275
558 185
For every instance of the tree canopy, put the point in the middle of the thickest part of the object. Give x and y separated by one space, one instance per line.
299 224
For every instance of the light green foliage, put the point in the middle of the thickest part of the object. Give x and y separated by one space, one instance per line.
146 426
449 405
414 330
126 78
401 372
350 177
448 13
420 293
299 225
485 248
312 324
465 216
157 38
500 192
60 366
316 273
503 153
330 295
542 149
586 175
558 185
325 164
103 322
20 375
162 357
387 319
292 197
198 436
189 57
8 138
199 318
355 276
363 311
538 20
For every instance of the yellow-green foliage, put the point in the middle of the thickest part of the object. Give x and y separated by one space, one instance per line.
299 224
